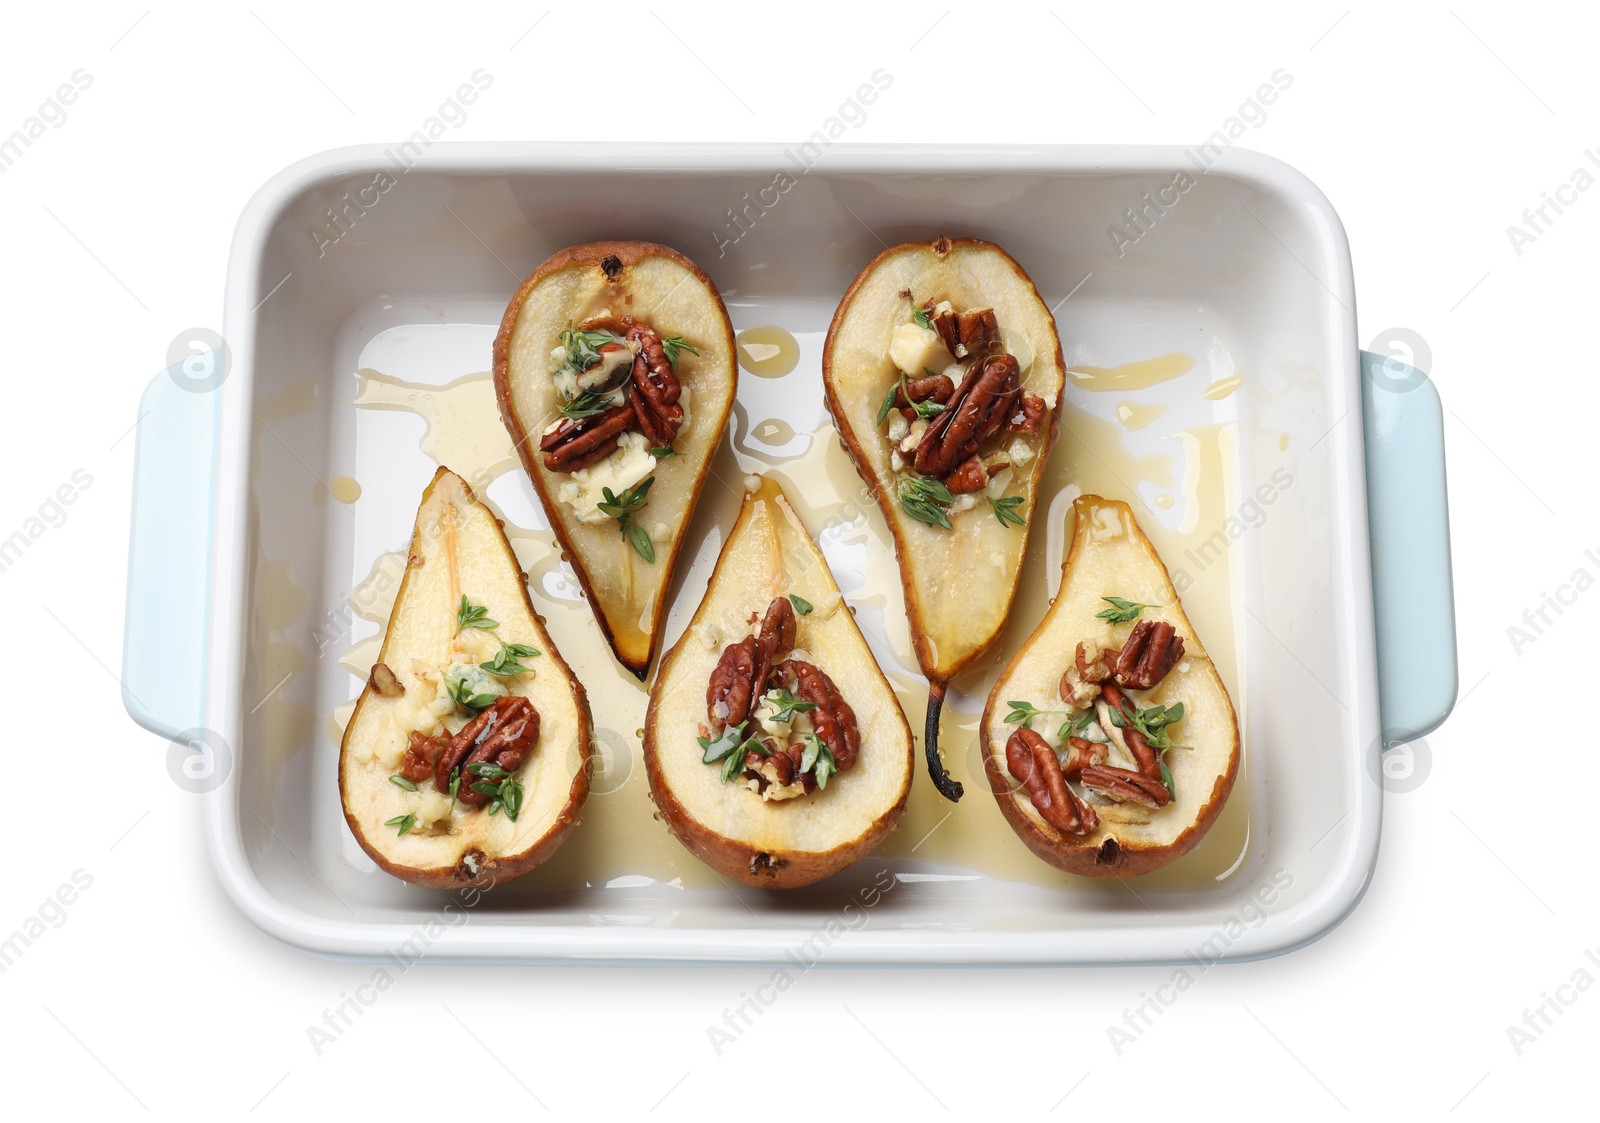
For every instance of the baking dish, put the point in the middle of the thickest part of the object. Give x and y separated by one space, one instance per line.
266 498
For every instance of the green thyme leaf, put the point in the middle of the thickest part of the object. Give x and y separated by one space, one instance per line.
826 766
587 404
927 500
404 822
461 694
455 787
469 615
923 317
1152 722
927 409
511 793
813 750
888 402
786 705
1077 725
661 452
1006 510
732 764
486 770
505 664
485 788
640 540
402 782
1121 611
583 347
627 504
1166 778
674 346
623 508
1024 712
725 743
802 606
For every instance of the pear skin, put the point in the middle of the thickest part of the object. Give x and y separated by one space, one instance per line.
458 548
728 826
1110 556
958 583
669 292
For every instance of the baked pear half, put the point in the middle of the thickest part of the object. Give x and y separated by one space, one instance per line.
776 749
615 370
465 762
943 373
1109 740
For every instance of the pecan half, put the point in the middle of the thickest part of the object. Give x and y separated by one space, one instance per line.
1152 649
833 719
422 755
1031 760
1126 786
740 676
777 772
656 388
937 388
1028 415
1074 691
504 734
383 680
731 693
575 444
1081 753
970 476
965 334
980 407
1144 755
1095 663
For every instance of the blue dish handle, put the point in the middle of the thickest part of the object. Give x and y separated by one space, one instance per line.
1409 522
164 634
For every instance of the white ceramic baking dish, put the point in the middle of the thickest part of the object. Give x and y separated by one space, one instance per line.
242 564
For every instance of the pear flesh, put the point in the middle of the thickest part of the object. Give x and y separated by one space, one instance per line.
729 825
603 282
458 549
1111 557
958 582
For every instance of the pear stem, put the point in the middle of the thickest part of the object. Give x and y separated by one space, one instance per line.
950 789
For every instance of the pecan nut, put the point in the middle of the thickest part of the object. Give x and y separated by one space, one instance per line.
1126 786
383 680
1081 753
656 388
1031 760
740 676
1144 755
936 388
965 334
1028 414
503 734
1152 649
777 771
833 719
1095 663
1080 682
970 476
982 402
732 690
422 755
575 444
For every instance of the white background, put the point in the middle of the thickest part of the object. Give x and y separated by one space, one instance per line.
1431 129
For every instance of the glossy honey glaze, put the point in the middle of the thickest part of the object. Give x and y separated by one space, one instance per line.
1180 495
